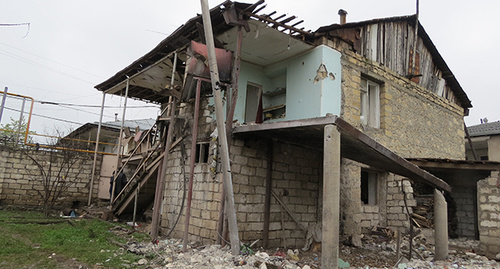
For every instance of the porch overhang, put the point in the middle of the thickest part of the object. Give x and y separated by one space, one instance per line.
355 145
458 172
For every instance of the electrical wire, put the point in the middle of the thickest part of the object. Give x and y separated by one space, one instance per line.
18 24
47 59
96 106
47 117
7 53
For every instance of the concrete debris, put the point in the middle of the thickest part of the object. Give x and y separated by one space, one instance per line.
375 253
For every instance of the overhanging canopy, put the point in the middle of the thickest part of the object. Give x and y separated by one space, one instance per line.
355 145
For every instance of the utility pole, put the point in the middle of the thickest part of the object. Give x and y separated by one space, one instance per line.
221 128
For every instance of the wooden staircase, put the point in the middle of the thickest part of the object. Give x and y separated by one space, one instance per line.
142 183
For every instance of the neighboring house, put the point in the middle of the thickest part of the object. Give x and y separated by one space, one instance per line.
85 137
386 90
485 140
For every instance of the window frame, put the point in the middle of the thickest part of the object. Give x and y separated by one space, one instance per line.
370 103
372 186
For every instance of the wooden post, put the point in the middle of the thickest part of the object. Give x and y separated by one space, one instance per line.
267 200
331 198
221 128
119 159
235 74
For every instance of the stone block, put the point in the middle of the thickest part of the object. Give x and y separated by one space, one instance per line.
240 160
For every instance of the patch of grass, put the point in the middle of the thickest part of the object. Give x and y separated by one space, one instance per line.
75 241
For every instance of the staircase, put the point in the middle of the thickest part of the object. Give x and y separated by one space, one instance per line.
143 181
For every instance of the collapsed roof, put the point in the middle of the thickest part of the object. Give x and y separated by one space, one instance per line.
150 76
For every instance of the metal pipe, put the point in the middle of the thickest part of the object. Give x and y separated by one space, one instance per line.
172 80
19 125
119 152
226 166
3 102
192 160
135 207
95 150
162 170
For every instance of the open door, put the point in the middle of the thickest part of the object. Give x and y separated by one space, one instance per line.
108 165
253 108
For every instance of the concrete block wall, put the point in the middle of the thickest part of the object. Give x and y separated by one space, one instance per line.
465 208
20 180
207 187
489 214
295 180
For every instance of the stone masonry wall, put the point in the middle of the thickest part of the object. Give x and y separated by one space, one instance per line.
397 216
20 180
414 122
489 214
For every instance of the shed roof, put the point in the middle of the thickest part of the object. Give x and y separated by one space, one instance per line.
490 128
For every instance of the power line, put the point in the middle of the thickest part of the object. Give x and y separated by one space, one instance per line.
47 117
96 106
47 59
7 53
18 24
76 109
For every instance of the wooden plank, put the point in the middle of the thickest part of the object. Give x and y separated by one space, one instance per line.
124 205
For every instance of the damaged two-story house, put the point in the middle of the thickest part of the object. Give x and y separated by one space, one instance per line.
348 101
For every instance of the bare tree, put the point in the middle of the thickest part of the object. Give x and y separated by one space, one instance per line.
58 167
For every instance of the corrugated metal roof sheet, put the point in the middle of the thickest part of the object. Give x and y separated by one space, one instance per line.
490 128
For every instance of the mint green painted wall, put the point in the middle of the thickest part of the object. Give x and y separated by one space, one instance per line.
304 98
249 73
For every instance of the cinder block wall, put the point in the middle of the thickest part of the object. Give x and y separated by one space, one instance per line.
20 180
465 204
489 214
296 177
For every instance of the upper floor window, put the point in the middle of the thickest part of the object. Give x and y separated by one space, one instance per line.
370 103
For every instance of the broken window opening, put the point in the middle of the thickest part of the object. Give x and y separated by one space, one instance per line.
202 152
370 103
369 183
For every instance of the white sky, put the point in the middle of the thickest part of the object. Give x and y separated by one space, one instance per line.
74 45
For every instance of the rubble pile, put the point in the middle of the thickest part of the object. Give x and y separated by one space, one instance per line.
169 254
378 251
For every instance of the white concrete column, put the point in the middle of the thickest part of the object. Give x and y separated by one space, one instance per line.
440 226
331 197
